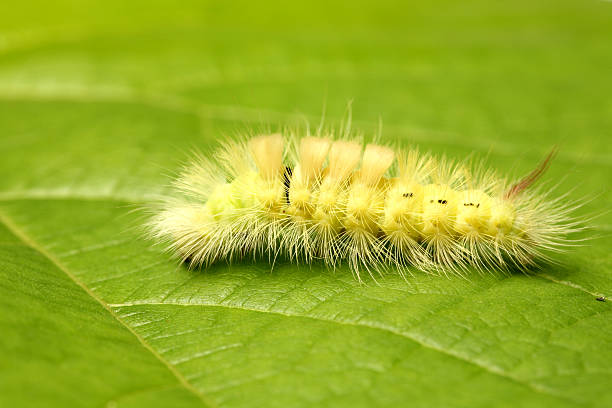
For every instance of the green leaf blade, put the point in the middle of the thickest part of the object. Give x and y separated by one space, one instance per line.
100 102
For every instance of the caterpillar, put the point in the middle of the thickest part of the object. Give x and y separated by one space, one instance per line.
319 197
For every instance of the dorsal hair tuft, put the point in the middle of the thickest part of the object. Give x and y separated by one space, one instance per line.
376 161
267 151
343 158
313 152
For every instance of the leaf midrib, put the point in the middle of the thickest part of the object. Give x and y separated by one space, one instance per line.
387 329
28 241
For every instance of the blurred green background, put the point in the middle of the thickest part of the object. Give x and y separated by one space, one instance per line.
101 100
137 79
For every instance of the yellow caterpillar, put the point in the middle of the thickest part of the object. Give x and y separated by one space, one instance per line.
316 198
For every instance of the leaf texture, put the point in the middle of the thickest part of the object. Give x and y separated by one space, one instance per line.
100 101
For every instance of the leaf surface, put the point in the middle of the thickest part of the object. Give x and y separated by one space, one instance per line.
100 102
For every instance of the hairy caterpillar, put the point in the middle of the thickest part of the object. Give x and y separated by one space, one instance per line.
312 197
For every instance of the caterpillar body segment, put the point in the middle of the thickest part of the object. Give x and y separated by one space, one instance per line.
316 198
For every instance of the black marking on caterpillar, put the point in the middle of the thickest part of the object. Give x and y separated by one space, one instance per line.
287 183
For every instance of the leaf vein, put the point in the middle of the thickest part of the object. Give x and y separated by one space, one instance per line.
417 339
27 240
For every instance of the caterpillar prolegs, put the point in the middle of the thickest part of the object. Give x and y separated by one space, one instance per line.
315 198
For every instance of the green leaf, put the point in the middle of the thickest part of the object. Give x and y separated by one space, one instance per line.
100 101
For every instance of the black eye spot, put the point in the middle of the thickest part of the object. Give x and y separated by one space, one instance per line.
442 201
406 195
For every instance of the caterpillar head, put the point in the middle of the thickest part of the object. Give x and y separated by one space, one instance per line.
501 221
